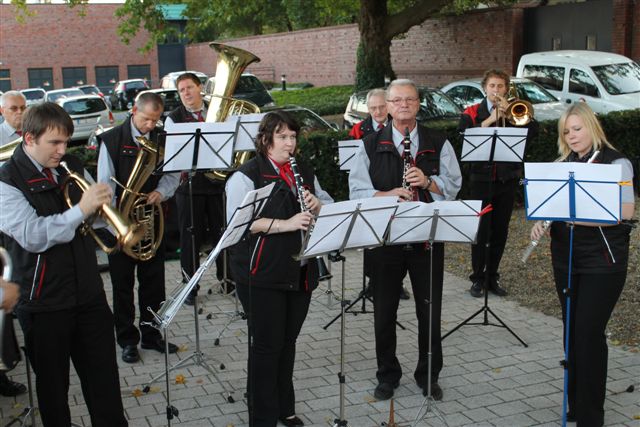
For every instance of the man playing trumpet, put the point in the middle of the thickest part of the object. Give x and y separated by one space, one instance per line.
63 309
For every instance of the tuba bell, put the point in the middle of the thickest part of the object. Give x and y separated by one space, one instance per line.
231 63
127 235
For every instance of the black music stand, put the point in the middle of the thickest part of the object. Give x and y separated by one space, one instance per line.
491 145
440 221
572 192
352 224
240 222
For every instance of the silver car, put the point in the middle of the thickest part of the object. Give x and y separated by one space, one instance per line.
54 95
33 95
87 112
545 106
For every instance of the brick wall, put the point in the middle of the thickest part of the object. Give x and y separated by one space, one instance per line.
57 37
433 53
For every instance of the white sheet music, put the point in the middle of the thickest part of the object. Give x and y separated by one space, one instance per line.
458 221
510 144
347 151
597 191
215 150
371 219
247 130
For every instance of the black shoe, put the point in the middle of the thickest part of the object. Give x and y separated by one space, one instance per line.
403 293
496 289
436 391
477 289
384 391
130 354
158 345
10 388
291 422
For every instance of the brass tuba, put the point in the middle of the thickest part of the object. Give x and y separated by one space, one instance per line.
133 204
231 63
127 235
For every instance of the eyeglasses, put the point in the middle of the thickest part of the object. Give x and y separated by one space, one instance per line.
398 101
15 108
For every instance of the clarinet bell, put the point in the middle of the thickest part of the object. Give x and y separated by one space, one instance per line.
323 271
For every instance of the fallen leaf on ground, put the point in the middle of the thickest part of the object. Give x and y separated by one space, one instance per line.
180 379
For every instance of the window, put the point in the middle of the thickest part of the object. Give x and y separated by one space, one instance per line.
581 83
106 77
41 77
535 94
139 72
547 76
74 76
434 105
619 78
84 106
5 80
459 95
556 43
475 95
591 42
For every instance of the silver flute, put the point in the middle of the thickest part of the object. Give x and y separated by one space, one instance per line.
546 224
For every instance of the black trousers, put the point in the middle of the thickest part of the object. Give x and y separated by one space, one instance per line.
275 318
208 212
388 265
151 293
83 334
593 298
498 220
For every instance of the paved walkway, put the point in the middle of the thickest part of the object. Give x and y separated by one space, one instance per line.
489 378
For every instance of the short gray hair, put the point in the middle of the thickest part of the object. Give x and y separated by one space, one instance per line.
403 82
145 98
9 94
375 92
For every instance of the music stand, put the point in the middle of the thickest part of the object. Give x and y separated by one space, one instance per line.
572 192
440 221
495 144
352 224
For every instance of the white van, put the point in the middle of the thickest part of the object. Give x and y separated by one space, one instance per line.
606 81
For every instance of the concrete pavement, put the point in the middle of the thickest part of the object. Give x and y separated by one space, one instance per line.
489 378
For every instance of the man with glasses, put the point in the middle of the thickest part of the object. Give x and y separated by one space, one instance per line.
378 171
12 106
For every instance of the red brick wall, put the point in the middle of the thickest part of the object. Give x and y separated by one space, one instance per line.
434 53
57 37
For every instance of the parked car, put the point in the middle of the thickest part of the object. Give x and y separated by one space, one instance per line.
124 93
248 88
169 80
94 90
33 95
54 95
169 96
87 112
435 106
606 81
307 119
545 105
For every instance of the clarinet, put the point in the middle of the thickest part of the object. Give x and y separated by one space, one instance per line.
546 224
323 271
407 163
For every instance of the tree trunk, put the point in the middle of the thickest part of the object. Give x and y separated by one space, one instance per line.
374 56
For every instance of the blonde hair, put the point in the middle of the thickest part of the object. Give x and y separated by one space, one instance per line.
582 110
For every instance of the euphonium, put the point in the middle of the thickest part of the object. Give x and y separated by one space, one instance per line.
127 235
133 204
231 63
323 271
6 151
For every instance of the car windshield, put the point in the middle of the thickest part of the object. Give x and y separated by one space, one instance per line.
84 106
33 94
308 121
89 90
435 104
619 79
52 97
248 84
534 93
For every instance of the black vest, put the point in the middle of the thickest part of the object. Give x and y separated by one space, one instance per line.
200 183
65 275
123 152
590 249
387 166
273 264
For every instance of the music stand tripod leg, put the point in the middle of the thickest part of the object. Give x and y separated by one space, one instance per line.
341 421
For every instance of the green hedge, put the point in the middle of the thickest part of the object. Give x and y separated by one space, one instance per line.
323 100
622 129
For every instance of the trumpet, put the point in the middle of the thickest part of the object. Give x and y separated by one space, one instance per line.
127 235
546 224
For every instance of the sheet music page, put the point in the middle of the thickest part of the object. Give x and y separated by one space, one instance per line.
597 191
248 125
215 151
510 144
347 151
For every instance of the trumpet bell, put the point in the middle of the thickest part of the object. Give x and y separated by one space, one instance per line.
519 113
